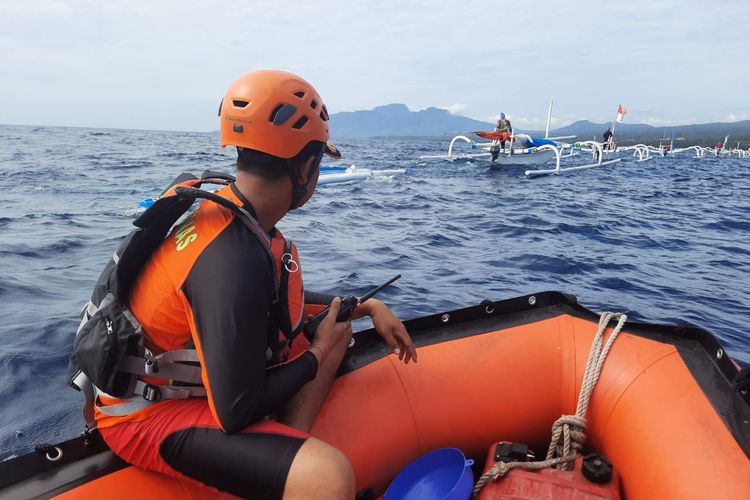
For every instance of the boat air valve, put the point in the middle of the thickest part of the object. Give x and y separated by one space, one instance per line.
597 469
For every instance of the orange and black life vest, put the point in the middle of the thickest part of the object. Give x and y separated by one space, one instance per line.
109 356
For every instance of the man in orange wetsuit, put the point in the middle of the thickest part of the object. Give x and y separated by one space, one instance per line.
214 287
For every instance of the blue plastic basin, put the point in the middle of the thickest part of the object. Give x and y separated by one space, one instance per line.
441 474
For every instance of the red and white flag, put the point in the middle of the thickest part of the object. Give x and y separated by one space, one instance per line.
621 112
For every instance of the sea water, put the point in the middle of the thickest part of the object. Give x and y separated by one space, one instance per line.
665 241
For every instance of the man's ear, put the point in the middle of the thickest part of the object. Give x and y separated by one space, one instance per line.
302 169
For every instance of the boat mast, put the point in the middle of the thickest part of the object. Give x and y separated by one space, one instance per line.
549 118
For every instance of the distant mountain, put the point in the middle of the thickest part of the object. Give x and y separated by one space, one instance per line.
397 120
586 130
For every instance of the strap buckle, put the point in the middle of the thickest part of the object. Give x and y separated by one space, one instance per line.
152 364
151 393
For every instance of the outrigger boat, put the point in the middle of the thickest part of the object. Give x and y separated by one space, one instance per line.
667 148
533 151
522 149
645 152
598 150
668 409
523 156
739 152
720 149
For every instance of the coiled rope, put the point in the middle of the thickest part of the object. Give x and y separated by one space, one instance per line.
568 431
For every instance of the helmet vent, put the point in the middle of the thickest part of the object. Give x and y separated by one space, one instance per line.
300 123
282 113
237 103
324 113
300 94
313 104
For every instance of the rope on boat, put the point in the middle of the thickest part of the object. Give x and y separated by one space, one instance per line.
568 431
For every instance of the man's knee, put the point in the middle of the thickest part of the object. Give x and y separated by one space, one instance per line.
339 475
320 471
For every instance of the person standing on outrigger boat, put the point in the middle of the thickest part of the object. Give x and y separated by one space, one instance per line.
608 139
502 125
226 286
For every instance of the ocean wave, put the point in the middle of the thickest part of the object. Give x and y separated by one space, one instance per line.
664 244
729 225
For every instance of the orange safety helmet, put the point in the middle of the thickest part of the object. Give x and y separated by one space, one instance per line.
274 112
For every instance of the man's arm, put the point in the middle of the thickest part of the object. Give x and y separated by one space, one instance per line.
228 295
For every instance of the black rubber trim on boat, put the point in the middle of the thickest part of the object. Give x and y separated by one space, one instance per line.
34 476
461 323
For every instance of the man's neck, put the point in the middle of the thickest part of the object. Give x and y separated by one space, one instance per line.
270 199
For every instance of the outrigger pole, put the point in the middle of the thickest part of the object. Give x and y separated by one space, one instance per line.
614 121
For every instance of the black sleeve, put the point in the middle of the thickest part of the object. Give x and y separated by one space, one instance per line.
230 290
318 297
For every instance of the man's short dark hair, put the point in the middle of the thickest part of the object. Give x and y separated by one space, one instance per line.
272 167
261 164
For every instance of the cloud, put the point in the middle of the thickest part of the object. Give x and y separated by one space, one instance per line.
658 122
737 117
525 122
455 109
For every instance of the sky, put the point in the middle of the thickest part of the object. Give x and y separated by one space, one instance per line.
165 64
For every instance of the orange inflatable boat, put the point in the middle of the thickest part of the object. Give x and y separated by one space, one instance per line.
670 410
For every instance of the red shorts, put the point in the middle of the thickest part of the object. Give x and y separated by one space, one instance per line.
182 439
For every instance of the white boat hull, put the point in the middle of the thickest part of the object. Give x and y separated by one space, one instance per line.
354 174
536 158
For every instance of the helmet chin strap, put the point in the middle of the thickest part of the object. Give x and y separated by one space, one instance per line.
298 193
300 190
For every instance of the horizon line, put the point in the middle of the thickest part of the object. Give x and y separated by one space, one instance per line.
100 127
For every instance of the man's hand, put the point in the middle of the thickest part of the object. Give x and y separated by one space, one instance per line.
330 332
389 327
